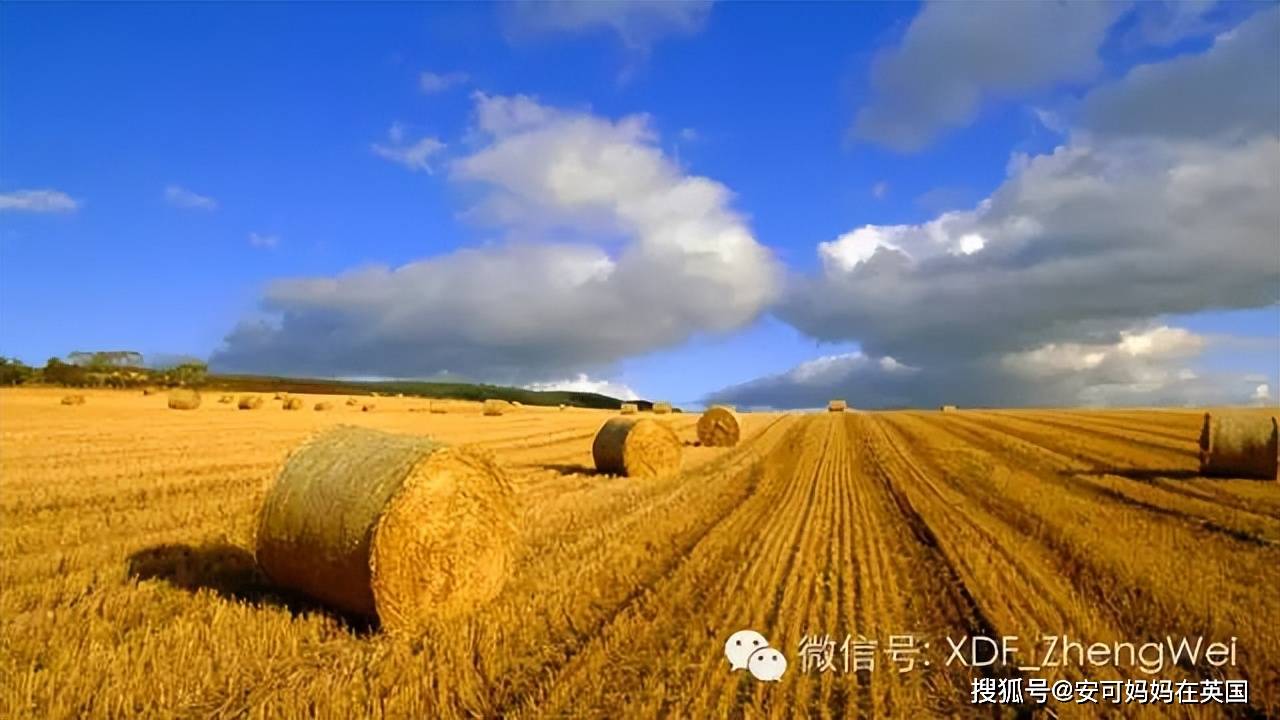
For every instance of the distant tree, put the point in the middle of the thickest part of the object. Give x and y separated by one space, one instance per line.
188 374
14 372
61 373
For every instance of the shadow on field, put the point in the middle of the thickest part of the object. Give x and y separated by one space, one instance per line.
1145 474
229 571
572 469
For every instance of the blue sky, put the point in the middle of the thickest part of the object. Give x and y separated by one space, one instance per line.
206 179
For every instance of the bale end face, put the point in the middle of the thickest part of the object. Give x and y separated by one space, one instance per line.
293 403
719 427
636 448
1241 445
397 528
184 399
249 402
837 406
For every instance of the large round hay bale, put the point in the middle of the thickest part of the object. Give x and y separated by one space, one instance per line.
293 403
662 408
494 407
250 402
1239 445
718 427
73 400
386 526
637 448
629 409
837 406
949 409
183 399
323 406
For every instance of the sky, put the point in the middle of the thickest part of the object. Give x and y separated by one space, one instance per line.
1001 204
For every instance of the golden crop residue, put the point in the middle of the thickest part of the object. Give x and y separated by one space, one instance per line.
128 587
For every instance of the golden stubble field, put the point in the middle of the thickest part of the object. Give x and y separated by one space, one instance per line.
128 586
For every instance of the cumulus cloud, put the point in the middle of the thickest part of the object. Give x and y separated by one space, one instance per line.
1227 92
431 83
955 54
37 201
583 383
181 197
413 154
1050 290
609 250
637 23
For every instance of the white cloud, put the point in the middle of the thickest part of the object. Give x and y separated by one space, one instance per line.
184 198
955 54
610 249
689 135
1051 290
1262 393
38 201
583 383
431 83
415 155
880 190
263 241
637 23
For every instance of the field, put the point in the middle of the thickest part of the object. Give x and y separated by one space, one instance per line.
128 587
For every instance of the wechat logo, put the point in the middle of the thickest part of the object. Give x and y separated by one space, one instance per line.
749 650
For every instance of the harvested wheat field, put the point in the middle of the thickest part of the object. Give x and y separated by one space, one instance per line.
130 587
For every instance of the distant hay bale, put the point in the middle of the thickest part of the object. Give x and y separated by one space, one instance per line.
636 448
1239 445
563 406
389 527
352 401
516 403
949 409
367 407
630 408
718 427
279 396
323 406
494 407
374 394
72 399
148 391
227 399
438 408
183 399
293 403
837 406
662 408
249 402
399 394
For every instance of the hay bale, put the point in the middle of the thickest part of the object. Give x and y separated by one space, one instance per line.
352 401
636 447
629 409
183 399
837 406
438 408
293 403
563 406
72 399
949 409
323 406
250 402
149 391
399 394
393 527
516 403
279 396
662 408
494 407
227 399
1239 445
718 427
367 407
